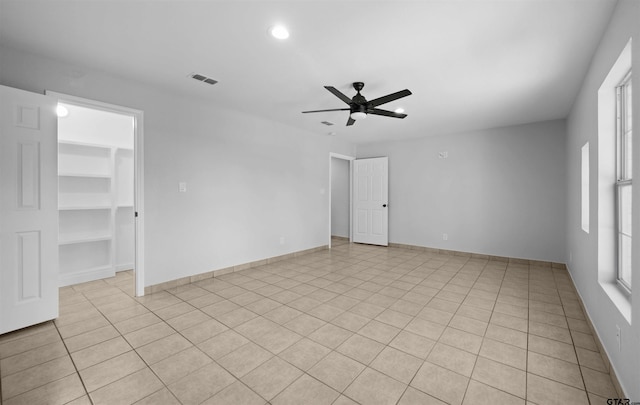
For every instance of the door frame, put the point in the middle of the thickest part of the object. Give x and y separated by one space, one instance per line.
350 159
138 173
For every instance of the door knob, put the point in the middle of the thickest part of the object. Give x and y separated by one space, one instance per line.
384 205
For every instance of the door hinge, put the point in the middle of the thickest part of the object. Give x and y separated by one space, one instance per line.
136 214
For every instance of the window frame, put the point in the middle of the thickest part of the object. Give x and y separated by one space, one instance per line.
623 172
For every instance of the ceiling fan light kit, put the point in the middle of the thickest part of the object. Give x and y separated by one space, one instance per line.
359 107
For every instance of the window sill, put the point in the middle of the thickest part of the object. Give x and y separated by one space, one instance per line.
621 299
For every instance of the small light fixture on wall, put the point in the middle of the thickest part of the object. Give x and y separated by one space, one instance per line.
62 111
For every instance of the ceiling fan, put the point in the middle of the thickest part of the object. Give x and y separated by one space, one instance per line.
360 107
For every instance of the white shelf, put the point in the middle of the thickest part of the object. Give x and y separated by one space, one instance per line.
77 257
95 193
86 159
84 144
87 207
86 239
89 175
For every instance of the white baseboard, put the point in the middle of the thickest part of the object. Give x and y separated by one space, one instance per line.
86 275
603 350
124 267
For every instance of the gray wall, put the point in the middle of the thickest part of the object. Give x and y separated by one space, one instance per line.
582 248
499 192
250 181
340 197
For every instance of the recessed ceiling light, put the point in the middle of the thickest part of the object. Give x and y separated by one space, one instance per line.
399 110
279 32
62 111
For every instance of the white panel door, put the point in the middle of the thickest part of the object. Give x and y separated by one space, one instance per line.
28 209
370 194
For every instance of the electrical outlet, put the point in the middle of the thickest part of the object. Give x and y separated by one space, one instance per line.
282 240
445 236
182 187
619 338
443 155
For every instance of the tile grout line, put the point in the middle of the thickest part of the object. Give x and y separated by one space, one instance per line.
206 354
526 360
74 364
148 366
120 335
575 351
331 351
340 268
110 323
480 349
449 325
45 362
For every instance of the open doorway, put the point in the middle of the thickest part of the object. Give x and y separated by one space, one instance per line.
99 193
340 198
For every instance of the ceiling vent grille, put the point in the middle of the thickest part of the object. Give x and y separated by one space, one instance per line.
327 123
203 78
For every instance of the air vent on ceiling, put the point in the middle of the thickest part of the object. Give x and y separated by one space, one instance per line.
327 123
203 78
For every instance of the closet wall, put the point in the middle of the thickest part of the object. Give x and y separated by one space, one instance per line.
95 194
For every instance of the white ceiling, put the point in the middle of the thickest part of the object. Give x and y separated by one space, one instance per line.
470 64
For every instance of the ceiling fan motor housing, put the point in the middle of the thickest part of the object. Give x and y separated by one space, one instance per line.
357 107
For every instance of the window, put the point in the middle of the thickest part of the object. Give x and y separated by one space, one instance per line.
624 164
613 176
585 187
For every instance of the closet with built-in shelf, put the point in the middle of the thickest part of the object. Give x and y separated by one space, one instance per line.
95 195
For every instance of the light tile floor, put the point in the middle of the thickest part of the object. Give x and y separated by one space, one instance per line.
354 325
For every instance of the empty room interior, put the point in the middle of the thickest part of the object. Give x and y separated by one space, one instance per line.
319 202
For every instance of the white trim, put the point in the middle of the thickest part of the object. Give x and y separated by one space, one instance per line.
84 276
350 159
339 156
138 203
138 135
123 267
607 175
612 372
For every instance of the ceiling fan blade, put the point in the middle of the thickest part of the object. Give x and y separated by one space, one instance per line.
338 94
332 109
350 121
389 97
377 111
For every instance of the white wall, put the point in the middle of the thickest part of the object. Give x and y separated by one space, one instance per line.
499 192
250 181
582 248
340 197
